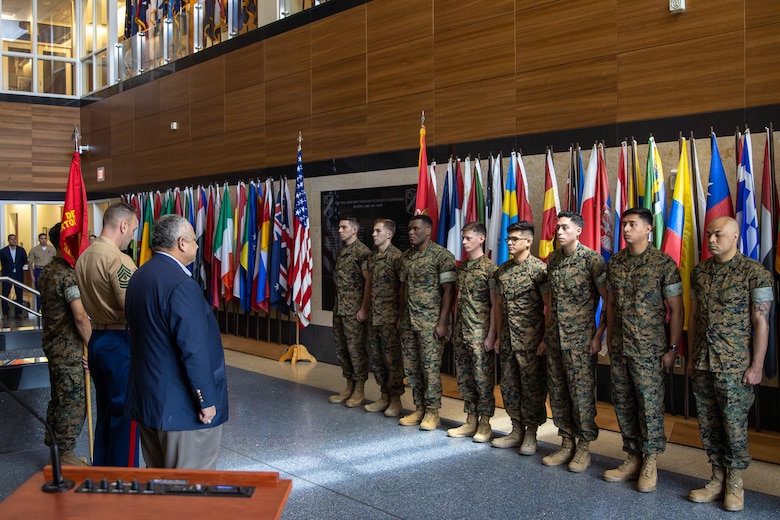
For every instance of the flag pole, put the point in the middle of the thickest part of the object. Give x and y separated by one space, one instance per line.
297 352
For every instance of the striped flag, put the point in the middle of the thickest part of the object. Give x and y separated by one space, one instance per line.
636 183
493 206
145 249
249 250
425 203
469 207
445 212
199 269
479 192
747 216
700 199
591 232
523 205
509 209
241 264
768 247
570 200
718 195
454 238
223 244
278 282
260 287
680 237
301 263
551 209
621 196
655 193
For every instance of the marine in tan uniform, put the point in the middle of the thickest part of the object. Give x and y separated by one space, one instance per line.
103 273
353 297
731 302
384 342
39 257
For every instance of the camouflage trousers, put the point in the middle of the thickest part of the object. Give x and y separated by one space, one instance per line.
384 355
349 335
476 370
571 382
638 398
523 384
722 404
67 408
422 365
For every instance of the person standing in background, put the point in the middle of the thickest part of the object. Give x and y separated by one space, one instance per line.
40 255
13 258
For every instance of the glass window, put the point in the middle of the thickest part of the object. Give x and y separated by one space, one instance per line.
55 21
55 77
17 73
17 20
89 29
101 65
86 75
102 25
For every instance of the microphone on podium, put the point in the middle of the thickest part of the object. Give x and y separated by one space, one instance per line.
57 484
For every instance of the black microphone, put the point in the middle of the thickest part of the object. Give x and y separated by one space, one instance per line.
57 484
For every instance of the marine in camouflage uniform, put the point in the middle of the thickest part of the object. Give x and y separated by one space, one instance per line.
522 287
576 277
63 345
641 282
475 364
349 329
384 344
428 276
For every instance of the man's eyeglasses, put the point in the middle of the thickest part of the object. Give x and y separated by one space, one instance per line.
512 240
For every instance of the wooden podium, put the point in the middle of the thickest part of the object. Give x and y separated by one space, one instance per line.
29 501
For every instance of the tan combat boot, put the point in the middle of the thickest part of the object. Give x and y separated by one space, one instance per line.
69 458
734 499
528 447
378 406
414 418
648 476
629 470
467 429
343 396
484 431
357 397
562 456
514 438
581 459
394 408
713 489
431 420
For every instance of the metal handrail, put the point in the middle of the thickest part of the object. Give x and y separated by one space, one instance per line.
18 284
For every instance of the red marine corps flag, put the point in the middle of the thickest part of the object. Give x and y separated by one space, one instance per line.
74 238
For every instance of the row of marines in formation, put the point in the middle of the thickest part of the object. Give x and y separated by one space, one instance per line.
392 313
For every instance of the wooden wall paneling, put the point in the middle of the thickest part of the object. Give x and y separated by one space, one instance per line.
120 107
95 116
480 50
89 172
761 12
570 95
146 99
338 37
522 5
475 110
207 79
208 156
244 67
762 65
52 148
690 77
245 108
287 53
339 85
16 154
399 71
281 141
391 22
340 133
119 139
394 123
247 150
564 32
175 90
207 117
641 25
288 97
448 15
146 132
166 136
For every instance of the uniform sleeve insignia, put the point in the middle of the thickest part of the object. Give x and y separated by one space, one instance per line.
123 274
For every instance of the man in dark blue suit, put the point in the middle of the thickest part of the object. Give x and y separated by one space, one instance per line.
177 389
13 258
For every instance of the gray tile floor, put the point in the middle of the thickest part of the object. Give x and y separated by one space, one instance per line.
346 463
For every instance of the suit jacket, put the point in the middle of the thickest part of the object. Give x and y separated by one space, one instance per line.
177 365
14 269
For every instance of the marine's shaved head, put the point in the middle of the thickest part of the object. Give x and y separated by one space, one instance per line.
723 238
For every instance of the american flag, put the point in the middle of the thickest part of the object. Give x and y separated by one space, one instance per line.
301 262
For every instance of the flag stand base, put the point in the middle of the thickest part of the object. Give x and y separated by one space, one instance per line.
295 353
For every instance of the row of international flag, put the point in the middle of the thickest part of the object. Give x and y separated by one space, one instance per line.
678 226
257 254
